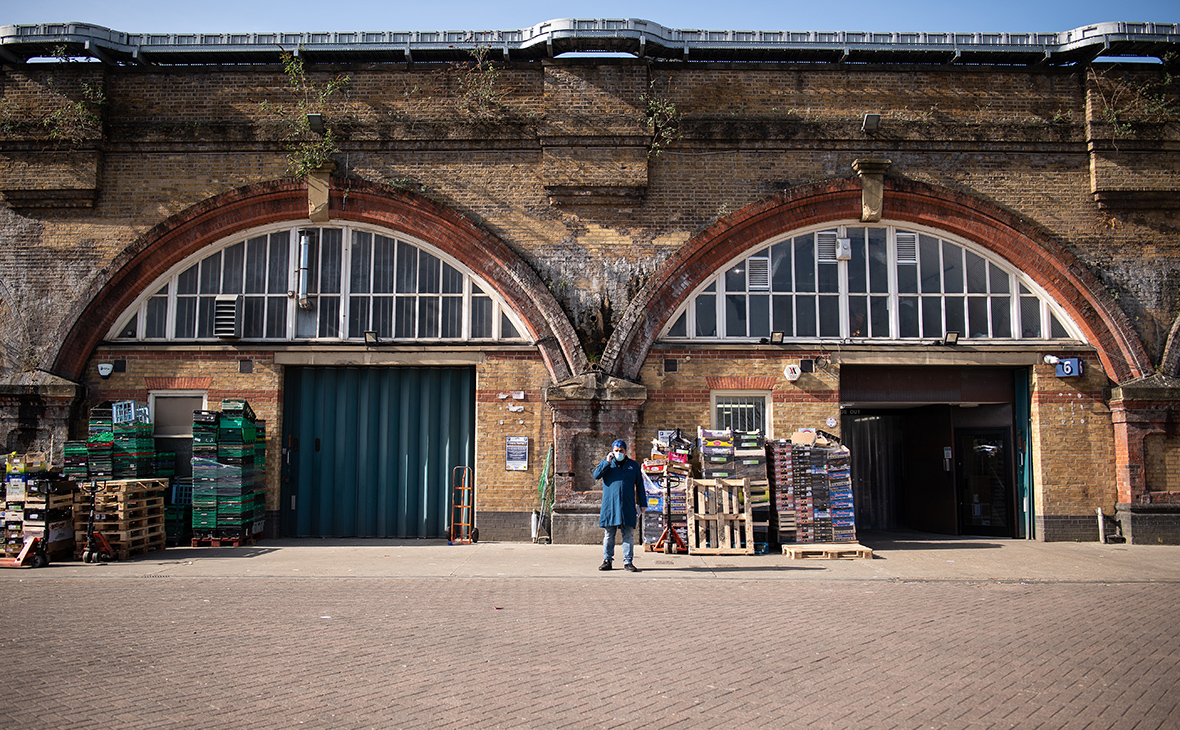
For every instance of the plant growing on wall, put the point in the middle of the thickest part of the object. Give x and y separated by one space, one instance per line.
307 148
1127 104
662 117
479 95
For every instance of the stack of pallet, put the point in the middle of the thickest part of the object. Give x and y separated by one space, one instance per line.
128 512
719 517
228 499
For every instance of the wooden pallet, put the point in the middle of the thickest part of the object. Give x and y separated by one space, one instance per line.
827 551
719 517
224 541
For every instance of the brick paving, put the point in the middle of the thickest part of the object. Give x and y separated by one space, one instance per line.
589 651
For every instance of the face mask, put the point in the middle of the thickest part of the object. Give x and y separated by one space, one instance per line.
619 457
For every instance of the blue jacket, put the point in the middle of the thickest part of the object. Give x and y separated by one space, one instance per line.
622 489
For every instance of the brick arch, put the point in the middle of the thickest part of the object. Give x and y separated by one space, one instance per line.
172 240
1010 237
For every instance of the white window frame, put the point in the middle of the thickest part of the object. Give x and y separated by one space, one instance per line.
766 396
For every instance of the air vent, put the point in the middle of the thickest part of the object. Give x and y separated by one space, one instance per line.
227 317
759 274
825 243
907 248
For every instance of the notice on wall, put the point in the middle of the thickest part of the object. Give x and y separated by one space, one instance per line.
516 453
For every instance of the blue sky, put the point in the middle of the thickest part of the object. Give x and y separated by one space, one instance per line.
307 15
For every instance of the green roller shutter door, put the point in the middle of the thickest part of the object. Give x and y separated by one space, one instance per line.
369 452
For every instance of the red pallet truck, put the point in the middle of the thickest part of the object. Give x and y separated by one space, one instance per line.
32 555
96 548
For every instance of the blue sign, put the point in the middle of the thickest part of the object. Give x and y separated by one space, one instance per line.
1069 367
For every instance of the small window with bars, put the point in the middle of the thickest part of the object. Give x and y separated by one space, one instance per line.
740 411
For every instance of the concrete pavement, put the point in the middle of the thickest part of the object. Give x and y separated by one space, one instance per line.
934 633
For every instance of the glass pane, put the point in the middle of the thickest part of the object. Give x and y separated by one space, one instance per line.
976 274
706 315
784 315
428 308
481 317
735 315
735 278
878 261
507 329
759 315
741 413
805 263
931 266
384 265
329 316
253 317
1056 329
780 266
131 329
952 268
429 271
880 316
382 316
452 280
999 279
403 317
858 267
211 274
205 316
829 316
805 316
256 265
977 316
331 251
358 316
361 262
156 318
231 278
907 278
829 278
276 317
452 317
278 275
955 320
1030 317
932 317
1001 317
407 268
679 328
907 316
858 316
186 318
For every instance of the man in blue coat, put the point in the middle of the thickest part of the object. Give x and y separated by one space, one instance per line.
622 496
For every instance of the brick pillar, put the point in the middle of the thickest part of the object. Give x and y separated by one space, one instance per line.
1146 513
589 412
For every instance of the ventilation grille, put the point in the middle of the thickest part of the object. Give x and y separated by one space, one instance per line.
759 273
825 243
226 317
907 248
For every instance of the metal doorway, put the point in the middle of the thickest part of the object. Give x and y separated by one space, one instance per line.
368 452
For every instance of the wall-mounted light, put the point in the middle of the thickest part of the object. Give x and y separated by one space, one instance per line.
776 338
316 122
371 338
1052 359
871 122
951 338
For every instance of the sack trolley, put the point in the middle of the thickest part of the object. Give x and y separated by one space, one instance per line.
463 529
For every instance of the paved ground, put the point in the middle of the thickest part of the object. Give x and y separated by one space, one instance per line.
958 633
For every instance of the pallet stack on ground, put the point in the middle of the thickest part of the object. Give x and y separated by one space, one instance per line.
720 521
128 512
228 497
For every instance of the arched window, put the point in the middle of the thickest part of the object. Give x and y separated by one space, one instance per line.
319 283
856 282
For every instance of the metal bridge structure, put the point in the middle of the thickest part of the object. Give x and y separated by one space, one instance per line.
553 38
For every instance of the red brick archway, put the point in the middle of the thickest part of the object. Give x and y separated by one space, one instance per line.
171 241
1032 250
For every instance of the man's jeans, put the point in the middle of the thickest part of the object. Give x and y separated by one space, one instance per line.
608 544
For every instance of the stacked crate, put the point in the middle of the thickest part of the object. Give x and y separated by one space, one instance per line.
48 513
178 515
749 462
782 478
717 450
76 460
666 480
133 450
128 512
228 501
813 487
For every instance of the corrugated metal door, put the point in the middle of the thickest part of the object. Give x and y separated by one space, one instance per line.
369 451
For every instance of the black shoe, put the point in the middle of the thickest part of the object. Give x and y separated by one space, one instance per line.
631 568
606 565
